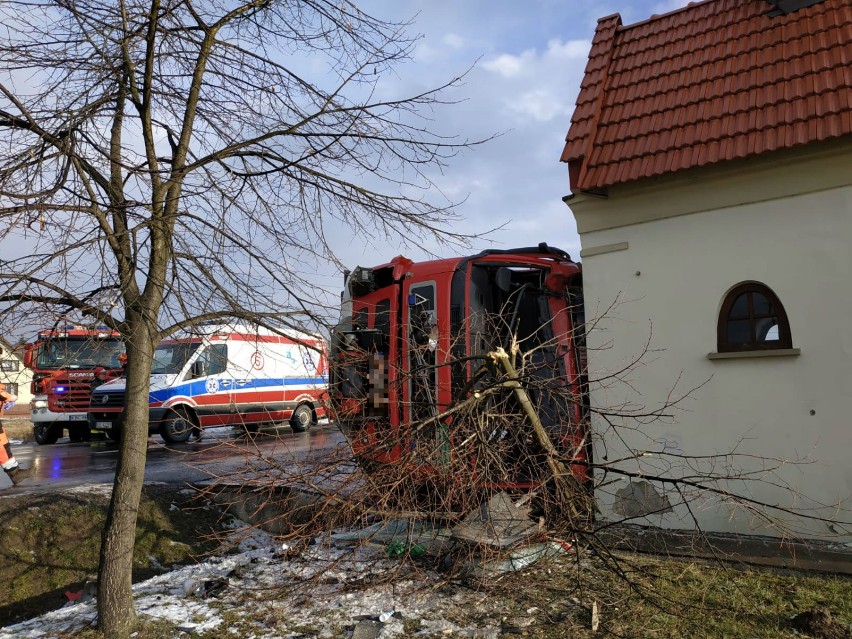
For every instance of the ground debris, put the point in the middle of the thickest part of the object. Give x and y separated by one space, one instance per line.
367 629
496 538
88 593
497 522
820 624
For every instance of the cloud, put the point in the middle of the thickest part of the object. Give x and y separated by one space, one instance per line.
571 50
454 41
507 65
531 59
540 83
667 6
541 104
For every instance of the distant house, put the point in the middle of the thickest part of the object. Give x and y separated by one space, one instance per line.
710 165
16 377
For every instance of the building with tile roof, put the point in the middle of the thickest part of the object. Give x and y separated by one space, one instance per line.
16 377
710 167
710 83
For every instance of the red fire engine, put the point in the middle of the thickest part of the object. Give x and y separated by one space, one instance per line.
415 342
66 364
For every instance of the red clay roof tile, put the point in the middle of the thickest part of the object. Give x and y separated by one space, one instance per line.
714 81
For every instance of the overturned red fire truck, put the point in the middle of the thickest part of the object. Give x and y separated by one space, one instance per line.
417 342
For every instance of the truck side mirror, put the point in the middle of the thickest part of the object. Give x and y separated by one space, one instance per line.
422 323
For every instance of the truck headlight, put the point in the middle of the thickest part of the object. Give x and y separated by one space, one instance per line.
38 403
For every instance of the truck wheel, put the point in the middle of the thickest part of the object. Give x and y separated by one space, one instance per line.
302 418
46 434
176 428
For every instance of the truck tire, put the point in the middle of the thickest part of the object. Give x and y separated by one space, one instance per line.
302 418
176 427
46 434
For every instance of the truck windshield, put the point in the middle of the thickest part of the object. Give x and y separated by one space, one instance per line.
510 306
60 354
169 359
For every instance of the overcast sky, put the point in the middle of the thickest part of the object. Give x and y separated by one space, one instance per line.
529 59
525 61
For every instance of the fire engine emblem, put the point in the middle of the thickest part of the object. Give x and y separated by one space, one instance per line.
212 386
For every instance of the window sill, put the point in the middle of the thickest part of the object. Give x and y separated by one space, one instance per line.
775 352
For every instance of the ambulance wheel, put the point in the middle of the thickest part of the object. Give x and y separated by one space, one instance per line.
176 428
46 434
302 418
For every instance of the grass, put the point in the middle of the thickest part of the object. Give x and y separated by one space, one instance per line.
51 542
670 598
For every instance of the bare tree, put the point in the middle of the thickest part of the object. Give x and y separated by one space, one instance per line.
167 162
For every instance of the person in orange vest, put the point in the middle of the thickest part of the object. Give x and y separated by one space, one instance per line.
7 459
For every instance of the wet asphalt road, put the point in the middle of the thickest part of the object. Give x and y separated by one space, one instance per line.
223 452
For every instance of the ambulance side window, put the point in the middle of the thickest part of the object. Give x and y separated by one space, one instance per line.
213 361
218 355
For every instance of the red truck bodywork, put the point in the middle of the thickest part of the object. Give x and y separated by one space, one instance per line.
381 349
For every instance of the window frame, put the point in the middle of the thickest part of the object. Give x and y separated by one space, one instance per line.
724 345
10 366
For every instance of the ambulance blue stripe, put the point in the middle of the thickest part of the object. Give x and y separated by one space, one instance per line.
199 386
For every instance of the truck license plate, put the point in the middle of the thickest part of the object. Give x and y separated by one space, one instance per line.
78 417
104 425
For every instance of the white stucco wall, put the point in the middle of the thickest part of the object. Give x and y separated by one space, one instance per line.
787 418
22 377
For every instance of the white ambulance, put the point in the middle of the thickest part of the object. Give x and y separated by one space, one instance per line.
220 375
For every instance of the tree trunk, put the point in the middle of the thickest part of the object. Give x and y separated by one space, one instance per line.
116 613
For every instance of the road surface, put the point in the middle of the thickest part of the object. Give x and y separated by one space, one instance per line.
223 453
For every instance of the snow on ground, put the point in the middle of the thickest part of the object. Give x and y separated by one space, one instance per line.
334 596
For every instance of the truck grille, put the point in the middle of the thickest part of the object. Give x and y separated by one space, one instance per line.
75 398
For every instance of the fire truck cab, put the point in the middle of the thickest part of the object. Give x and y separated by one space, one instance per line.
66 363
413 336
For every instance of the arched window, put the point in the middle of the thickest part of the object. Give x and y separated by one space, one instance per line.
752 318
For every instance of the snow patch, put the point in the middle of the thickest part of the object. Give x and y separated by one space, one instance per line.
338 594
